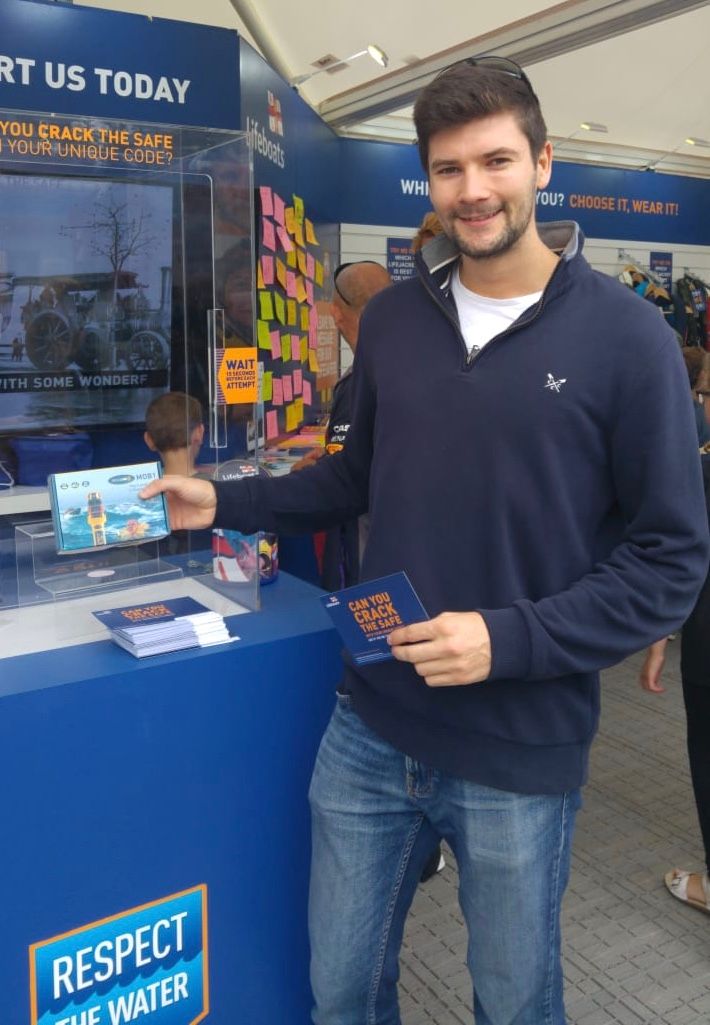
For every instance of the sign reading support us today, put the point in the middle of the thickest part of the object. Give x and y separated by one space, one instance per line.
147 964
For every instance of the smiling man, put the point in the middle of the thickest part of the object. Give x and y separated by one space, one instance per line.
523 438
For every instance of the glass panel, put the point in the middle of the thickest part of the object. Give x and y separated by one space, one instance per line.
126 306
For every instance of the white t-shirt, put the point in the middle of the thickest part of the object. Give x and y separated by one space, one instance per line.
482 318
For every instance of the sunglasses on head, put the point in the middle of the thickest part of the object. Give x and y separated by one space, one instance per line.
502 64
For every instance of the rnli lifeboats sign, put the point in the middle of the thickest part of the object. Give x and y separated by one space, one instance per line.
147 965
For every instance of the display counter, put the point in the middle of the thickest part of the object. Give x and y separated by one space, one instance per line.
126 781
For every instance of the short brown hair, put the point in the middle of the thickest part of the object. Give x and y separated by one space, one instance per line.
170 420
468 92
694 363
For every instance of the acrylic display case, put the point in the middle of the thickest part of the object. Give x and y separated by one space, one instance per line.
126 274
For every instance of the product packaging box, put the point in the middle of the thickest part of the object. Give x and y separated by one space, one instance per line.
94 509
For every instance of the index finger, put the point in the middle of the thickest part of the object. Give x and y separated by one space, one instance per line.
423 631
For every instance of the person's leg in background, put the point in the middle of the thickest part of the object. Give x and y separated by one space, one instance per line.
370 842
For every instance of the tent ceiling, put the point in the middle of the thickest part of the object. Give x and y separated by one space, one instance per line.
639 67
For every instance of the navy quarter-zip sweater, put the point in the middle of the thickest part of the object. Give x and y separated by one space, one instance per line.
552 483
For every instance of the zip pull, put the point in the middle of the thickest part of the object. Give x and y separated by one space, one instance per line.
472 354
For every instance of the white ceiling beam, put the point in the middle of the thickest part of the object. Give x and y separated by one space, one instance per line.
560 29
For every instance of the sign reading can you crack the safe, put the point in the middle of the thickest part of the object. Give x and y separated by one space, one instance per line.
147 965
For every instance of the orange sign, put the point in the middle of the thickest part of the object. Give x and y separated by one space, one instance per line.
237 376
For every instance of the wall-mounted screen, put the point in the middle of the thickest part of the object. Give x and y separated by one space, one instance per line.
86 299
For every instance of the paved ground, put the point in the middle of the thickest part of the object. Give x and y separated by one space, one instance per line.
633 955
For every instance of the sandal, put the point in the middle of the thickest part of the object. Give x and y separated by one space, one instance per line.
677 882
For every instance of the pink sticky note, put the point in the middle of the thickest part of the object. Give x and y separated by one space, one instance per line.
267 206
291 284
298 382
284 239
275 344
272 424
307 393
269 238
267 269
295 346
287 387
310 266
279 210
277 391
312 334
309 293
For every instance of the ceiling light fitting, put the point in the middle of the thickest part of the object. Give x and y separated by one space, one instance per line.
693 141
593 126
376 52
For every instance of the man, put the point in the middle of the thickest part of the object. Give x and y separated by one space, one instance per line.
354 285
495 442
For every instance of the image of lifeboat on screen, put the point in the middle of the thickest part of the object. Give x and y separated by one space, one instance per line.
100 321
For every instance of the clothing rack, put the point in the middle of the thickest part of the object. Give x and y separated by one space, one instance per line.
640 267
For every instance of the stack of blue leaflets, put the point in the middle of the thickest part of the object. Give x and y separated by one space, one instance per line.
365 615
162 626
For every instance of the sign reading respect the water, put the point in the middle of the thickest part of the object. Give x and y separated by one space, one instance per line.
147 965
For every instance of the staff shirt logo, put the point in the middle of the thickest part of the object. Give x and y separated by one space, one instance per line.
555 384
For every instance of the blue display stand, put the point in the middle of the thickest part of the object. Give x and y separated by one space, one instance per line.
124 782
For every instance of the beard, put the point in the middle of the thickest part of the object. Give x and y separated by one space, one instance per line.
516 222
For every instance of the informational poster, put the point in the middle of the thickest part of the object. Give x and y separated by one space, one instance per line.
662 266
400 259
327 351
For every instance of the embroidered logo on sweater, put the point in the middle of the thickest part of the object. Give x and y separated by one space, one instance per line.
555 384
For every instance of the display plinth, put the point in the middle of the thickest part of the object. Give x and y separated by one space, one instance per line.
44 575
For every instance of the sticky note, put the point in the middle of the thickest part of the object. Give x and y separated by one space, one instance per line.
302 263
286 348
266 306
291 312
291 256
313 364
288 387
297 381
310 265
304 349
300 289
266 386
310 233
268 236
280 272
290 220
267 203
272 424
286 243
263 336
259 276
291 417
275 345
280 307
318 273
298 234
298 209
291 284
305 317
279 208
299 409
277 392
307 393
266 265
309 293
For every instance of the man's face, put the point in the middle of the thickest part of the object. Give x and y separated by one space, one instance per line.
482 184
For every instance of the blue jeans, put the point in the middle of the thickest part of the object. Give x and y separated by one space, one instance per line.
376 817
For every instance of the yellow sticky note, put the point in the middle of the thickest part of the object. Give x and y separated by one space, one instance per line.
266 306
291 312
280 307
319 273
310 233
291 417
299 409
298 234
291 258
285 348
304 349
300 289
302 261
313 364
259 277
298 210
263 337
305 317
281 272
267 386
290 218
